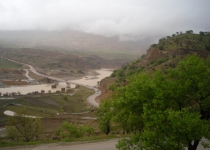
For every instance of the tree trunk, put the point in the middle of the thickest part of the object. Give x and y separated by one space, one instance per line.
107 129
194 145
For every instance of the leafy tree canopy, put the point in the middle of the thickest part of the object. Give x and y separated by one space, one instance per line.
23 128
165 111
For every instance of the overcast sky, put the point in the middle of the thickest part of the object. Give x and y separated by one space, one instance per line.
129 19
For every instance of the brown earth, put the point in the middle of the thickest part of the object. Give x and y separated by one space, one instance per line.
10 77
15 82
154 54
104 88
34 76
12 74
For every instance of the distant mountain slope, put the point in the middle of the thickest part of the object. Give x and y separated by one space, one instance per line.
76 41
54 60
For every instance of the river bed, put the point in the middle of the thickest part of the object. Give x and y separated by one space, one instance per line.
93 80
87 81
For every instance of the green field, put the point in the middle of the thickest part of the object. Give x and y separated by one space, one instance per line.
47 105
106 54
5 64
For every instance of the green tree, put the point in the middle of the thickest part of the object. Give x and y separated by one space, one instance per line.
189 32
105 116
153 45
202 33
114 73
172 109
207 47
143 56
89 130
120 73
19 93
129 100
161 47
162 39
22 128
70 130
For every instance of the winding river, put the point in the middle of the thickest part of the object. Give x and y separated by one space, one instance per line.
89 82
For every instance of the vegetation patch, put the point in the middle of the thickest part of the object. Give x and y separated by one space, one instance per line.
6 64
187 41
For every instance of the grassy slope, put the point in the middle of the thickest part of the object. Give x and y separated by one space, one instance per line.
106 54
47 105
5 64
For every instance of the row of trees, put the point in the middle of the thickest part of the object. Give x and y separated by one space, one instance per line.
163 111
168 37
160 46
202 33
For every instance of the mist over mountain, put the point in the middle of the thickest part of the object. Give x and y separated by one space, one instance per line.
96 25
131 20
70 40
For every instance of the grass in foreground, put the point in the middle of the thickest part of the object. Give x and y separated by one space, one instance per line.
5 143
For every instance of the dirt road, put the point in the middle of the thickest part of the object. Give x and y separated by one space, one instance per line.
34 70
92 98
104 145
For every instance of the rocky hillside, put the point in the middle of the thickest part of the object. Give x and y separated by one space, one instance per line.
164 55
180 44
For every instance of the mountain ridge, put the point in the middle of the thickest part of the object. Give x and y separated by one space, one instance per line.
71 41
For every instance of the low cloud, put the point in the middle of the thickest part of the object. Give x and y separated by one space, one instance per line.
130 20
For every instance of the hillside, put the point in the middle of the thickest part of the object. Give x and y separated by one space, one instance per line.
164 55
184 42
74 42
59 64
55 59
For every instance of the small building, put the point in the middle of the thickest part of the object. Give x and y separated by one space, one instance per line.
63 89
53 86
14 94
36 92
68 85
42 91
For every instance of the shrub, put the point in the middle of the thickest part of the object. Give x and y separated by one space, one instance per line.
71 130
160 47
114 73
22 128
